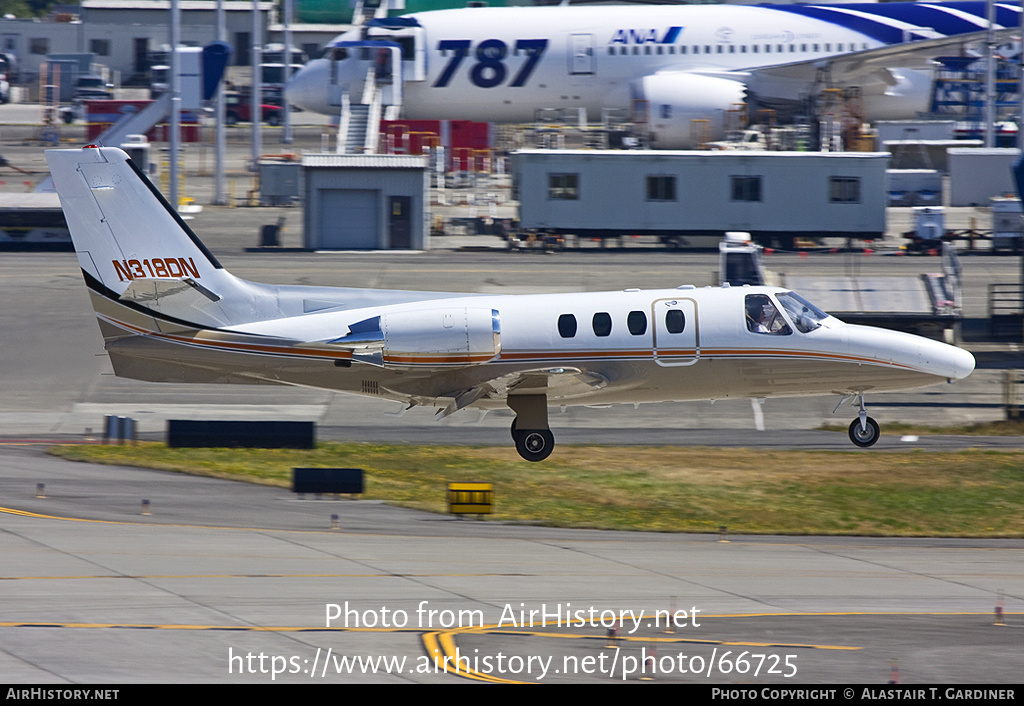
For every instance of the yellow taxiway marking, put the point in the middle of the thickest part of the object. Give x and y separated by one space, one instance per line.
441 648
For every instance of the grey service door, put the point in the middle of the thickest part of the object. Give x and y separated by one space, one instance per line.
349 219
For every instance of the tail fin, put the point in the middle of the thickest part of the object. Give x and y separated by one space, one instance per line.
136 250
122 227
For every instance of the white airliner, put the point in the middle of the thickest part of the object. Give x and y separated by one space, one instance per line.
169 312
666 65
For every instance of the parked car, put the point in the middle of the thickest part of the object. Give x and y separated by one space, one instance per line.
238 109
92 87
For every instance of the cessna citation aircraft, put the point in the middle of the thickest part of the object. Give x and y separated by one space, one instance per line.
665 65
169 312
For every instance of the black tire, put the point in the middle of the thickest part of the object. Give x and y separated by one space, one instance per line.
866 437
513 430
230 118
535 444
274 119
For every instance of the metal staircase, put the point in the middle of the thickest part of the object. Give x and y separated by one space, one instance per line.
380 96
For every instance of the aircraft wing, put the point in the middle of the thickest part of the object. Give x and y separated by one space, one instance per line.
862 67
556 383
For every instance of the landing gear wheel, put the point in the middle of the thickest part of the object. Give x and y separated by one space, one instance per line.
534 444
864 437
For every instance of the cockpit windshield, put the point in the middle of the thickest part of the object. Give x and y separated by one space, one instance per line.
804 315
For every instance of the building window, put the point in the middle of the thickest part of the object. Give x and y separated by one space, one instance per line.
844 189
636 322
661 188
39 45
564 187
602 324
566 325
675 321
100 47
746 188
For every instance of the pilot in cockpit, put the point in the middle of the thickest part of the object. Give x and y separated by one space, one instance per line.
763 317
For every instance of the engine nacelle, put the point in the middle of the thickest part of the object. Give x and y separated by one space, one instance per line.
685 110
455 336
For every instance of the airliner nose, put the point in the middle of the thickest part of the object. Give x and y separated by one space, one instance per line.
308 87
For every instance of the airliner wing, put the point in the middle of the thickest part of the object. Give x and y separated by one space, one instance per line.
858 68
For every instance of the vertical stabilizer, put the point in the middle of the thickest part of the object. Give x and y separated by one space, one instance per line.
134 249
122 227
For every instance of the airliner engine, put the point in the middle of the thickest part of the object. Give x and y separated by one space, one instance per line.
684 110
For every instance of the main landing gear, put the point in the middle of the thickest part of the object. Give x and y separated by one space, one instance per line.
864 431
534 440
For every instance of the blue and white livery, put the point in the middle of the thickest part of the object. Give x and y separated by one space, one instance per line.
676 64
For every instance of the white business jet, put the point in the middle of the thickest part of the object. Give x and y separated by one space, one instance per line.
169 312
667 66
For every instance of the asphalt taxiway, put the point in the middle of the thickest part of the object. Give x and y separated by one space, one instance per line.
227 582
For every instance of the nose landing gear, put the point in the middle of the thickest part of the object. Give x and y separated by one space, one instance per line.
864 431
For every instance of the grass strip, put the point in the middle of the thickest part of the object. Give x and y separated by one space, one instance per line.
977 493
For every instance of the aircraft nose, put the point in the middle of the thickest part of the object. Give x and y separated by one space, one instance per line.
949 361
308 87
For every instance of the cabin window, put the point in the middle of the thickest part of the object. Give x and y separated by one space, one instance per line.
675 321
815 47
719 48
661 49
566 325
764 317
746 188
672 50
844 189
611 50
602 324
732 48
564 187
661 188
753 48
636 322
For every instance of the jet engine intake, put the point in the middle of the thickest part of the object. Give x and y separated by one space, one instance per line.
685 110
